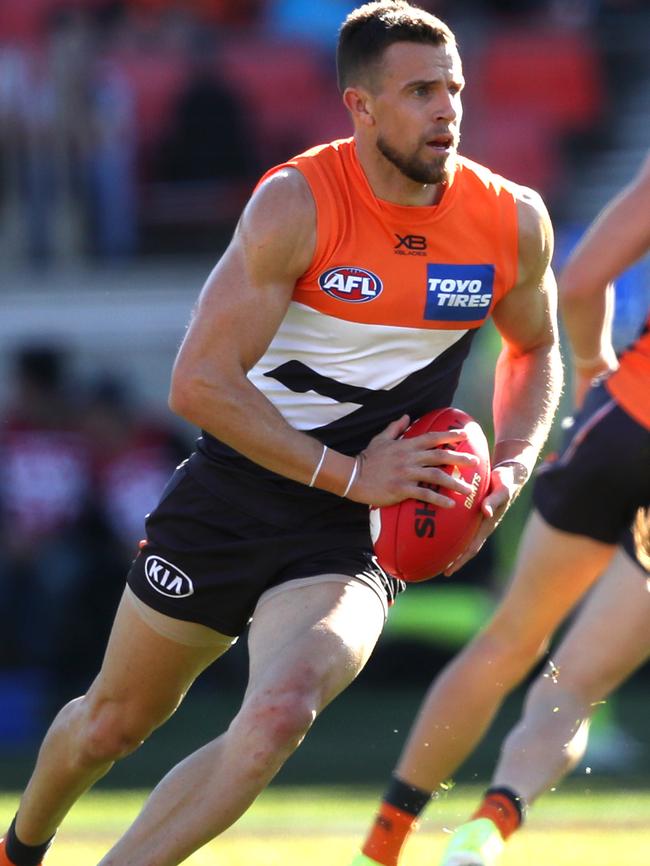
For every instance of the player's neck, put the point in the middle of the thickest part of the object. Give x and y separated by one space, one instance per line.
389 184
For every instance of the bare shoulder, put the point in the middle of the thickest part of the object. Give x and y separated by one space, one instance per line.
278 225
525 316
535 232
535 227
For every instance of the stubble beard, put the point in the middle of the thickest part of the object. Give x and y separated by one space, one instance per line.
414 168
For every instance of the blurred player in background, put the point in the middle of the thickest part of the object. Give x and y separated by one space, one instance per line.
641 531
587 502
313 343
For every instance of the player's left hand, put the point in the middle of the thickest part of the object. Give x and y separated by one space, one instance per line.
505 483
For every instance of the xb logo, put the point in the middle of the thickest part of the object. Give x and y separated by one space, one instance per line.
414 245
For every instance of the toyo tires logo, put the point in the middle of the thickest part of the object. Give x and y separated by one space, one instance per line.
355 285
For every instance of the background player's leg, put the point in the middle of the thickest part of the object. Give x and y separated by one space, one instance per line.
553 570
609 639
306 645
143 678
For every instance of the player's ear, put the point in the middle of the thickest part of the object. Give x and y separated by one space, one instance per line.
359 103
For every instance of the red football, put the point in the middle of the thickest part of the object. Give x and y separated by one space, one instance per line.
415 540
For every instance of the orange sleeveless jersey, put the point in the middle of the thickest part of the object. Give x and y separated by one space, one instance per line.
630 384
382 320
417 267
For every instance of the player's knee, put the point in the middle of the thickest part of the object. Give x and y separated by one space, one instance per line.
110 731
279 719
284 719
512 646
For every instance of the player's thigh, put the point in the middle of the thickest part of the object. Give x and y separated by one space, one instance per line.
610 636
145 669
319 634
553 570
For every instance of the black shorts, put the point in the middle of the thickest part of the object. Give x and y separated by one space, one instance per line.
601 476
217 541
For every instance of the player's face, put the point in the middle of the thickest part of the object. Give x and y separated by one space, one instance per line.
417 109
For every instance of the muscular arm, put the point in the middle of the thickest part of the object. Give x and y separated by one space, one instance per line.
239 310
528 377
618 237
238 313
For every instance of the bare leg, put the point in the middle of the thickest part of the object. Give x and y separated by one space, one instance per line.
143 678
553 571
306 645
607 641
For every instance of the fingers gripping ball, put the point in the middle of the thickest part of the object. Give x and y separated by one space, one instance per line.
416 540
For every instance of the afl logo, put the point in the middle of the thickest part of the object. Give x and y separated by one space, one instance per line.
166 579
350 284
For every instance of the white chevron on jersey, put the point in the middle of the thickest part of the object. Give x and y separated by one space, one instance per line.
374 357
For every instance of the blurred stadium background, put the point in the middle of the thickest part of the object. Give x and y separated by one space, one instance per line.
131 133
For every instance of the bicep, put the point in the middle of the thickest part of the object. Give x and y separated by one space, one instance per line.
526 317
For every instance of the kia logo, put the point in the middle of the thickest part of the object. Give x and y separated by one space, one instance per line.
166 579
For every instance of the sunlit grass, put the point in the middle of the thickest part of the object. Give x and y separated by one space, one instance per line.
323 827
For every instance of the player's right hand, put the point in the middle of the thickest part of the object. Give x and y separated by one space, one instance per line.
392 468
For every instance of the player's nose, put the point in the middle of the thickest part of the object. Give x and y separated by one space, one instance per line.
446 107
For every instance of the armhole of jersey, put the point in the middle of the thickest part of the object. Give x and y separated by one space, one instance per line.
506 227
513 255
510 249
318 247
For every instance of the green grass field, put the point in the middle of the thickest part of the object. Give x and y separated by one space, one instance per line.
324 826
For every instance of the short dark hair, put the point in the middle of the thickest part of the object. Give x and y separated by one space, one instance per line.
369 30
